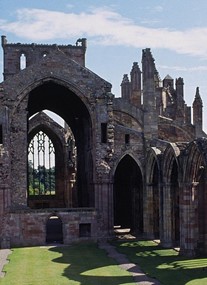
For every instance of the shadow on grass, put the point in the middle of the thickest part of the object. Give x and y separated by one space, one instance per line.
164 264
89 265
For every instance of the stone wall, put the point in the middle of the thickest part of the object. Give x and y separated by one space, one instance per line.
27 228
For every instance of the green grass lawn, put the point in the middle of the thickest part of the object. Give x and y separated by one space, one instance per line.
83 264
165 264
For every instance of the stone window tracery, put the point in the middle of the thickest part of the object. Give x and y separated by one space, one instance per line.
41 165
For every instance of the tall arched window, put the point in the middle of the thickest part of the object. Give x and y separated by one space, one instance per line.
41 165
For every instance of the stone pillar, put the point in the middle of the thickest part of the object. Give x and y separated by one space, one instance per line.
104 205
148 212
19 156
189 220
167 236
5 160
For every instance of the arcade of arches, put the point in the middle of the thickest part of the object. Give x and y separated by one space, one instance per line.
77 161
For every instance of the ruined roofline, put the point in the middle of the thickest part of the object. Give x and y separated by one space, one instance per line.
16 55
80 43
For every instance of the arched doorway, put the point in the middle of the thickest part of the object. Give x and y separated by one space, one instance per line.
54 230
59 99
128 195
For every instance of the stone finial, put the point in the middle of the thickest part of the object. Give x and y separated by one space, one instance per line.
125 87
125 79
198 113
197 95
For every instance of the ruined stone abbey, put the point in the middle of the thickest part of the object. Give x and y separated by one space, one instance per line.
138 161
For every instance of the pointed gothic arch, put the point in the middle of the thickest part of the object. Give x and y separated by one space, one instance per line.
194 199
153 194
57 96
70 107
128 195
171 196
54 164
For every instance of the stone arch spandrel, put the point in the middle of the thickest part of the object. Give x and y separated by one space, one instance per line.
126 119
123 108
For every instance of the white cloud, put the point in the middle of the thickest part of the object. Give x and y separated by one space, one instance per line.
105 27
184 68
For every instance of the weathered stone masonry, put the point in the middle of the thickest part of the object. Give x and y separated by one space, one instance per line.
135 161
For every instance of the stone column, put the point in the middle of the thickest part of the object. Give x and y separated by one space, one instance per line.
189 220
167 236
19 158
148 212
104 206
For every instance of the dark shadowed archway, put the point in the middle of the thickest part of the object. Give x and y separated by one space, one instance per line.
128 195
54 230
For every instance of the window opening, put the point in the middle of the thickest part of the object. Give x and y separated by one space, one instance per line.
41 165
44 54
23 61
104 132
84 230
1 135
127 138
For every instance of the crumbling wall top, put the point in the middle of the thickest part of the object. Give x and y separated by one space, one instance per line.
18 56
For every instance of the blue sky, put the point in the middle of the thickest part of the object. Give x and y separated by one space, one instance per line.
116 32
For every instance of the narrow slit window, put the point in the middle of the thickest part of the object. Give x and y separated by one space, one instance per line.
104 132
127 138
23 61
